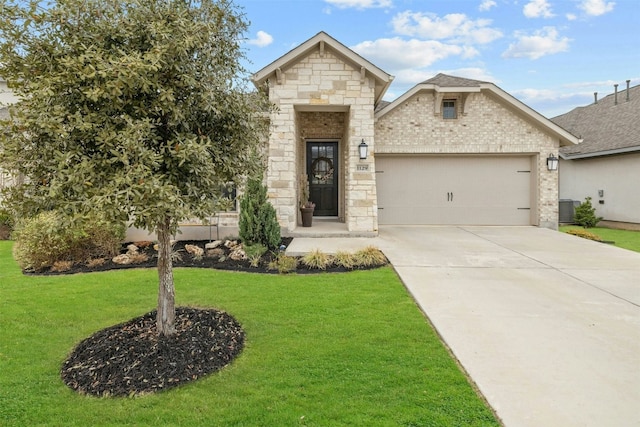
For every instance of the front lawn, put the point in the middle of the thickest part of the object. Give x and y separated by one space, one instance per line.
623 238
342 349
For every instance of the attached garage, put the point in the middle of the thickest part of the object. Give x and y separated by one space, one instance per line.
456 190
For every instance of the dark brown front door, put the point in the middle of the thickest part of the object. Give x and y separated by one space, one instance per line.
322 169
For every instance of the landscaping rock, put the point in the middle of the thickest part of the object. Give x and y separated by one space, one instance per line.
215 252
238 254
122 259
194 250
213 245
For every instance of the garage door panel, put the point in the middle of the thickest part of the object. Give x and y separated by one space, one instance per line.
450 190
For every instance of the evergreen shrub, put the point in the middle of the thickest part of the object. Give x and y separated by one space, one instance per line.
585 214
258 222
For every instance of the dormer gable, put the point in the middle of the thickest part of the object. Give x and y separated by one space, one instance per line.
323 43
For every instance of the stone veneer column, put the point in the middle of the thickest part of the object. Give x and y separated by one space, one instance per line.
322 82
281 168
361 198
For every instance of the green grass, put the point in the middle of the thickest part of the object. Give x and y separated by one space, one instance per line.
347 349
626 239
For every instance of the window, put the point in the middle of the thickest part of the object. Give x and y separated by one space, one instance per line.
449 109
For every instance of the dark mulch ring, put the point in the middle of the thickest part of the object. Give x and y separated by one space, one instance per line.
132 359
219 258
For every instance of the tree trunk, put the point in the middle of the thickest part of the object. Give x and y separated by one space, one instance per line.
165 320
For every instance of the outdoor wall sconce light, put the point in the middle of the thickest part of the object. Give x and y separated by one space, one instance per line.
363 148
552 162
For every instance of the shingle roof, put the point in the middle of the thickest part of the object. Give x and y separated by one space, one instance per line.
444 80
606 128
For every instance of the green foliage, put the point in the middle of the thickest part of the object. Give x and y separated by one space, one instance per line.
258 222
254 253
135 108
370 257
6 218
350 349
7 223
283 263
317 259
47 239
585 214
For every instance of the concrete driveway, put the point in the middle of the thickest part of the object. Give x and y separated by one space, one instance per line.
546 324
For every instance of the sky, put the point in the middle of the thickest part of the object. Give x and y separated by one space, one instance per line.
550 54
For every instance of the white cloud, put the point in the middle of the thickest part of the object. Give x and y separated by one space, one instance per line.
262 39
486 5
571 17
454 26
553 102
541 43
596 7
360 4
537 9
396 55
472 73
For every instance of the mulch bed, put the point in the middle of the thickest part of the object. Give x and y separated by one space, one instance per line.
220 261
132 359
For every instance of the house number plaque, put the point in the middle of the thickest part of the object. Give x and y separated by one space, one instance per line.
363 167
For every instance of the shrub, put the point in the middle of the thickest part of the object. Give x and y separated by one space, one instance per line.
370 257
46 238
345 259
584 234
254 253
585 214
317 259
283 263
258 222
6 224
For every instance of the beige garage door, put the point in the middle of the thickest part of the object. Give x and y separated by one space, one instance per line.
452 190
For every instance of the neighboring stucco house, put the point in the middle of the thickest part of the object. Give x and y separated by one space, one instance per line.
605 165
449 151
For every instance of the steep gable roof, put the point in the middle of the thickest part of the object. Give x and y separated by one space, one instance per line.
605 127
322 41
443 83
444 80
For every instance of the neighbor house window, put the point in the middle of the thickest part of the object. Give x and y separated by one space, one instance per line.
449 109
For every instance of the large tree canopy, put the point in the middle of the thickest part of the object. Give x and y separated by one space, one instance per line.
134 108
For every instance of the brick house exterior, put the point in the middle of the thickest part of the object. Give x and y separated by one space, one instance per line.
327 94
449 151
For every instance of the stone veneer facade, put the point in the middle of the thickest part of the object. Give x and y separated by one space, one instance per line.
322 97
486 126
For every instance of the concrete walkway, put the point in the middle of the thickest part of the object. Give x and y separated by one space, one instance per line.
546 324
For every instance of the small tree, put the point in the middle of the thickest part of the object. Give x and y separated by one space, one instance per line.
258 221
585 214
133 108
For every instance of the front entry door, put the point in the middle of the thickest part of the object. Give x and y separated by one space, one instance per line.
322 169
